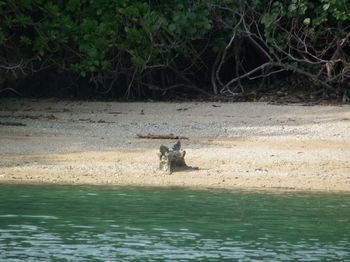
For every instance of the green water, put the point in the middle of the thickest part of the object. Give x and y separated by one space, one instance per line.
41 223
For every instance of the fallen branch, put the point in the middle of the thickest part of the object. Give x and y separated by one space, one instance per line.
7 123
169 136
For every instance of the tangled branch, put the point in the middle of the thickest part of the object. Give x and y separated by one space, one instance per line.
325 61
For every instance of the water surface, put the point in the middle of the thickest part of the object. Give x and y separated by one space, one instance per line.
64 223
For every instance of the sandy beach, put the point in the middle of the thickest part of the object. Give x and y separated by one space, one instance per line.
234 145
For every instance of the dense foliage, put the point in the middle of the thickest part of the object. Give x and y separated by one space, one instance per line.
135 47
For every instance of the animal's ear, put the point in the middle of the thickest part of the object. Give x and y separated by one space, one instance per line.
163 149
177 146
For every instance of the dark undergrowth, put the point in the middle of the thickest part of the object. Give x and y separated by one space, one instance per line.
258 50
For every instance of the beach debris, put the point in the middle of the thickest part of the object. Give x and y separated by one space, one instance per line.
9 123
168 136
170 159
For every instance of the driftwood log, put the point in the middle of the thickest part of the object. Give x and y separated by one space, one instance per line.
170 159
169 136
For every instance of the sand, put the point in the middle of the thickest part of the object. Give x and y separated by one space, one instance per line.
234 145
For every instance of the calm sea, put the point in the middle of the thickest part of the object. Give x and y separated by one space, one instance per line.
70 223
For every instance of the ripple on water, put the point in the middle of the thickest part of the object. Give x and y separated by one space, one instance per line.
114 224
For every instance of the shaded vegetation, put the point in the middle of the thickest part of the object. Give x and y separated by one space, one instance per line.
148 49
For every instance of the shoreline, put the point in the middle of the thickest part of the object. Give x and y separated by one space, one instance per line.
269 190
236 146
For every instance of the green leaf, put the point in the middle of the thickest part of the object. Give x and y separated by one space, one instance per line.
326 6
52 9
137 61
23 20
25 4
92 52
73 5
25 40
2 38
172 27
105 64
307 21
292 7
207 25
